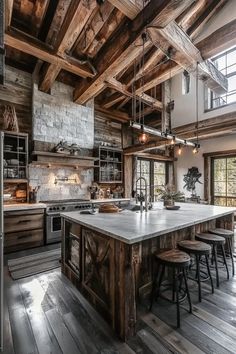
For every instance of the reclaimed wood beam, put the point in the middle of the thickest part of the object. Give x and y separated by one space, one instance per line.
76 17
120 52
218 41
129 8
113 114
8 12
118 86
213 8
87 36
39 11
187 55
209 127
28 45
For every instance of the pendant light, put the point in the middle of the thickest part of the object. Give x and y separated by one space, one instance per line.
180 150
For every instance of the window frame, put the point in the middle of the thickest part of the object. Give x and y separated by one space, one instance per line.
213 196
209 101
151 177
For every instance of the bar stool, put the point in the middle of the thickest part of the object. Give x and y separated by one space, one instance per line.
229 239
215 241
198 249
178 262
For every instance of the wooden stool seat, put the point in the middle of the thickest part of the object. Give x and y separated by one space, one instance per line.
215 241
178 261
194 246
221 232
210 238
173 257
198 249
229 238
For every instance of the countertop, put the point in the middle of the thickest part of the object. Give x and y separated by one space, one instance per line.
27 206
131 227
23 206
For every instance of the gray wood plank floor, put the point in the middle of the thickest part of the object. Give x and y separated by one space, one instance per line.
46 314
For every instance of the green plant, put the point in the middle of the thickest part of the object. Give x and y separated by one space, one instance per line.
169 192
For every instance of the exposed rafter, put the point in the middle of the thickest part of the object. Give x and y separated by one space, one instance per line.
8 12
77 15
122 50
129 8
29 45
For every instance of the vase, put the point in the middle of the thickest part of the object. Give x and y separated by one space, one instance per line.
169 202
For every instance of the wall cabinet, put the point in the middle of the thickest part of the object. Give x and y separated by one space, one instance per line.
110 168
23 229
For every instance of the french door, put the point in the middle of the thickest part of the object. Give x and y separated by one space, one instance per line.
223 181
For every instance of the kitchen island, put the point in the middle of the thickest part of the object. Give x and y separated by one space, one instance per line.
109 256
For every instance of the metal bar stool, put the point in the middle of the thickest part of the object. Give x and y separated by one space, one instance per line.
215 241
198 249
178 262
229 239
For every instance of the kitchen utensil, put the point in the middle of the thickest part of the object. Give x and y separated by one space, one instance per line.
6 196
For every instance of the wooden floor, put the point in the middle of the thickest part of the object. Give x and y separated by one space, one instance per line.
46 314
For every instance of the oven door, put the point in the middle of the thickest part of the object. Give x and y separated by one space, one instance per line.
54 228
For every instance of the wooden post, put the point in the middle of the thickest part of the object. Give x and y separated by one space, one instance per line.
2 50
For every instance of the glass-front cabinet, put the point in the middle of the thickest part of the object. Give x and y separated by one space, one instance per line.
110 169
15 167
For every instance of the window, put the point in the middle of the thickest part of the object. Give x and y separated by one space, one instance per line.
185 83
155 173
225 63
224 181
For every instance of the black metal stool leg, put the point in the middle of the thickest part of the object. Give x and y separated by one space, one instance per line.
216 265
209 273
225 261
160 280
187 291
176 284
173 286
230 247
198 279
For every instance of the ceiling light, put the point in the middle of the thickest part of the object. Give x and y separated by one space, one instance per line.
172 140
180 150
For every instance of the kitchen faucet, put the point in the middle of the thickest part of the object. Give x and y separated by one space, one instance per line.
142 198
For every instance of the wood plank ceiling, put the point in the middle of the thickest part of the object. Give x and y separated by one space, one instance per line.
95 46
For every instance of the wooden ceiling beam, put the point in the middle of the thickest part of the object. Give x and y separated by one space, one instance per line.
187 55
121 51
218 41
129 8
29 45
39 11
119 116
87 36
148 100
76 18
8 13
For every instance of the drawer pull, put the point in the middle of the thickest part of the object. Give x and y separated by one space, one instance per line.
23 236
21 221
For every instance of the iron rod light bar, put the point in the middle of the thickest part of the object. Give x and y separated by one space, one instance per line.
157 132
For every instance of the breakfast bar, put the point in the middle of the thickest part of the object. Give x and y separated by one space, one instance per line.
108 257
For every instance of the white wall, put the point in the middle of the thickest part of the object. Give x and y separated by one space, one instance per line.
188 160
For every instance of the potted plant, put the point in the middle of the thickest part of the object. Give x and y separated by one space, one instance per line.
169 194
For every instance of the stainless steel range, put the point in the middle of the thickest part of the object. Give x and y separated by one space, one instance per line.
53 217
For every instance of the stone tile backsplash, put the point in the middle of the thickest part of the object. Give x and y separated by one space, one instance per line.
45 178
55 118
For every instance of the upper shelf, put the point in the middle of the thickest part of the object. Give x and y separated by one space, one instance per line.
52 159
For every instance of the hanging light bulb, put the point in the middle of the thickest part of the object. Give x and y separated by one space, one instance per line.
172 140
143 137
180 150
196 148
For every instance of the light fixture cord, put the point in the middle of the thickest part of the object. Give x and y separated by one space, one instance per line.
197 113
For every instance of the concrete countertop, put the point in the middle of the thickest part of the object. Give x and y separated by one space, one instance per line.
113 200
131 227
23 206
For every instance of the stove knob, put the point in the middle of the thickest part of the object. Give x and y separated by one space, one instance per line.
63 208
54 208
50 209
76 207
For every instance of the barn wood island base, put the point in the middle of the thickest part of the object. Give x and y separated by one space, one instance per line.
108 257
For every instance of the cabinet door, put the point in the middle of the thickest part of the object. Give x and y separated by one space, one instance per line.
98 268
72 248
23 221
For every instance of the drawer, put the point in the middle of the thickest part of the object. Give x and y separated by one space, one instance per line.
21 240
14 222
